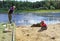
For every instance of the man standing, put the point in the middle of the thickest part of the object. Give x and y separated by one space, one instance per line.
12 8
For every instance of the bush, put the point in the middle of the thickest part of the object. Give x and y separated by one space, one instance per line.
51 7
43 8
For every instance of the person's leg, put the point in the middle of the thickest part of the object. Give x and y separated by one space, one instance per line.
42 29
10 17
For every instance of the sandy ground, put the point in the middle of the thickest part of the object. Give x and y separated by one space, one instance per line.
27 33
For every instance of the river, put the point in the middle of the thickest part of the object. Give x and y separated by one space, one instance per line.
31 18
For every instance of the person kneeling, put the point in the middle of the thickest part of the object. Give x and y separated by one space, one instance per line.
43 26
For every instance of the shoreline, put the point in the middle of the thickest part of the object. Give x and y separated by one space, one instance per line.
32 11
30 25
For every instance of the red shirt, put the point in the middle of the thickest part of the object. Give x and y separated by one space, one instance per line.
43 25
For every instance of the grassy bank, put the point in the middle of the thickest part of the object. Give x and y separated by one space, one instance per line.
37 11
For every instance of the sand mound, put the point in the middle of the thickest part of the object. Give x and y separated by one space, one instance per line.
24 33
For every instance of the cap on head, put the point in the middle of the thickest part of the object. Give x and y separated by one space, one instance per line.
42 21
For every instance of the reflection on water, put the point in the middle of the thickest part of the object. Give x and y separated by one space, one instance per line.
31 18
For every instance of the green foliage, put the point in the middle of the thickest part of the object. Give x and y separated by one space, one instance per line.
30 5
51 7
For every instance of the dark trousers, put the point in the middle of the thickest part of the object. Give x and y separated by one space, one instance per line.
42 29
10 18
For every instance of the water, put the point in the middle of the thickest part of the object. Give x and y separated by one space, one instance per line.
32 18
